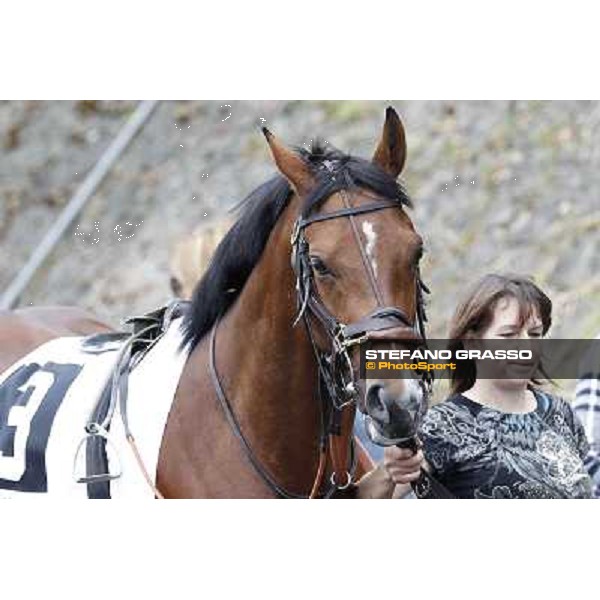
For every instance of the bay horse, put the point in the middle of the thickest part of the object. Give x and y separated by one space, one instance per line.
323 258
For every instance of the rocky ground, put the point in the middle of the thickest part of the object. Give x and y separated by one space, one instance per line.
496 185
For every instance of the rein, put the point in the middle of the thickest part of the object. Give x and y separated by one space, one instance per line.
259 468
235 426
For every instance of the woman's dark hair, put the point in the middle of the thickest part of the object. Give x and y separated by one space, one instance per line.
476 312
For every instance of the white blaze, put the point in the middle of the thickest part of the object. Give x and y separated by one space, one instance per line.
371 236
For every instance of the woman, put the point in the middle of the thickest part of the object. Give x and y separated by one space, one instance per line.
494 438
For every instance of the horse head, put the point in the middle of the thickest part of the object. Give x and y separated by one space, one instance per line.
355 254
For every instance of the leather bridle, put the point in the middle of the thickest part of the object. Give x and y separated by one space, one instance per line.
337 381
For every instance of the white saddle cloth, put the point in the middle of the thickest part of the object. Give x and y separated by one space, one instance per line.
47 398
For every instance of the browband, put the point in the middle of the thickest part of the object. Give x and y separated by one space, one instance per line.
346 212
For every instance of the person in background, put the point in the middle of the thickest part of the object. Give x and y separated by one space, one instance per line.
587 408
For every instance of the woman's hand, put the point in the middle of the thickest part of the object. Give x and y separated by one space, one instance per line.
402 465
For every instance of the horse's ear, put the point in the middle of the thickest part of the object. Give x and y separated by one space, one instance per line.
391 150
290 164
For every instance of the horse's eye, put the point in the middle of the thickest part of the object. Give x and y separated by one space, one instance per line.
319 266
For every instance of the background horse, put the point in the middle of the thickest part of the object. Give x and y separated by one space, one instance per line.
250 390
24 329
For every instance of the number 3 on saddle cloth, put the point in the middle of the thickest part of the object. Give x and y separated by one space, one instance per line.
49 396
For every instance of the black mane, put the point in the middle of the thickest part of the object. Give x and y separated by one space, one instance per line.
241 248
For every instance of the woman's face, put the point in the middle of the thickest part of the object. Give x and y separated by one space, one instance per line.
505 325
505 322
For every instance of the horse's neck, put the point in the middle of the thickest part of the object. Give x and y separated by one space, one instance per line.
268 370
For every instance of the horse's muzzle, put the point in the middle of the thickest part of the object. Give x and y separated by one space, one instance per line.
393 408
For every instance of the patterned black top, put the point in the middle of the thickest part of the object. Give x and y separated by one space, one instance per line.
480 452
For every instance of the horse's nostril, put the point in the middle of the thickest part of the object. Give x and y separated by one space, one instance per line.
375 401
